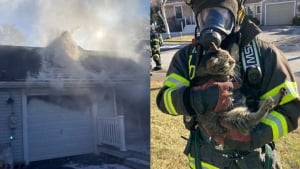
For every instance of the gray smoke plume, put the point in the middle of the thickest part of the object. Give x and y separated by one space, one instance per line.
94 24
108 25
61 62
9 34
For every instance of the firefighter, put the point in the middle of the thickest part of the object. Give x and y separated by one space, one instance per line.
264 72
156 41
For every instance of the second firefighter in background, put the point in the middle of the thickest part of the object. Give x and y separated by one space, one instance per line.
156 41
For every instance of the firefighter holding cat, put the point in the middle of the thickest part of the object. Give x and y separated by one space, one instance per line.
264 71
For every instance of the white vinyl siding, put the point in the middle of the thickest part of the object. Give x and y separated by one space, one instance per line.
5 132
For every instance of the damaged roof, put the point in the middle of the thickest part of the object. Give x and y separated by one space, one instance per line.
18 62
63 63
36 65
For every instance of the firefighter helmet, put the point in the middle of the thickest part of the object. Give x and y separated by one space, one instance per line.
235 7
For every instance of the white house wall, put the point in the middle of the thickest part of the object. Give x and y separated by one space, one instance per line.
5 111
187 13
106 100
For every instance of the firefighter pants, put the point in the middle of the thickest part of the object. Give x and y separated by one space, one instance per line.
203 153
155 53
211 157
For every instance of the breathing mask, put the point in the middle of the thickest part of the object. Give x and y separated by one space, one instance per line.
214 23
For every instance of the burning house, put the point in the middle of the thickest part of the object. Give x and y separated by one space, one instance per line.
62 100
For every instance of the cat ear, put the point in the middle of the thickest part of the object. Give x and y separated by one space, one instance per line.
213 46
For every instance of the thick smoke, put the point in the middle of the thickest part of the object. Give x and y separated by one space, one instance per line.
95 25
106 25
9 34
61 61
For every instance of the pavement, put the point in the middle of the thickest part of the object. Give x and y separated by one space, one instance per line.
88 161
286 38
109 158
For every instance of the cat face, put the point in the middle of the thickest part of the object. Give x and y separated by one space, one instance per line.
217 62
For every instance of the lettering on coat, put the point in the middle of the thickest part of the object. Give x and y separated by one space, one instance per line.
250 55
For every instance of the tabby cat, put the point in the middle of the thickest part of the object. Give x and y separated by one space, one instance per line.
219 65
216 64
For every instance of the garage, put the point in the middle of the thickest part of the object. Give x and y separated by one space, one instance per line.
280 13
58 126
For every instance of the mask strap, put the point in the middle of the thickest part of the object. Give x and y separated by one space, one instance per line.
241 14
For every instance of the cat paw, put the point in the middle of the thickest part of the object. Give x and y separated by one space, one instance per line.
269 103
277 98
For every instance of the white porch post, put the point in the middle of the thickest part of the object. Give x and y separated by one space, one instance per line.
120 121
122 132
25 127
94 123
115 102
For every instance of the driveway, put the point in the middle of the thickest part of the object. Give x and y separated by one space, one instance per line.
80 162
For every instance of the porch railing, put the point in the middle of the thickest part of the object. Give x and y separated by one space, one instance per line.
111 131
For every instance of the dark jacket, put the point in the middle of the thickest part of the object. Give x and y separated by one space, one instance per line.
276 73
156 39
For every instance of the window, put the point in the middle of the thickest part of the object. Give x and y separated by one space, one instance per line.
178 12
258 9
249 10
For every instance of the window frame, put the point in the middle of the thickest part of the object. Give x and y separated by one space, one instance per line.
256 9
175 11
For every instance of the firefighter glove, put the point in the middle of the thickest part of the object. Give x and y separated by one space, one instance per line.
212 97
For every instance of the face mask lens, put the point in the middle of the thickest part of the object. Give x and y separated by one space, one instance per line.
218 18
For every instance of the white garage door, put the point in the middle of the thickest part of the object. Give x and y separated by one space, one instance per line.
280 14
56 130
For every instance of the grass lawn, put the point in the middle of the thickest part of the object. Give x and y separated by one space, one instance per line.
167 145
179 39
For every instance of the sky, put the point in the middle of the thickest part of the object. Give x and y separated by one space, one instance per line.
94 24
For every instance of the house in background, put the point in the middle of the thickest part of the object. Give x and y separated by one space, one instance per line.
269 12
179 15
63 101
273 12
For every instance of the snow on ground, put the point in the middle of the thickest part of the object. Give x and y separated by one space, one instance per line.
172 46
104 166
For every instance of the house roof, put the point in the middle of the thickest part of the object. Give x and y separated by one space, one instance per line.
17 62
252 1
46 66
